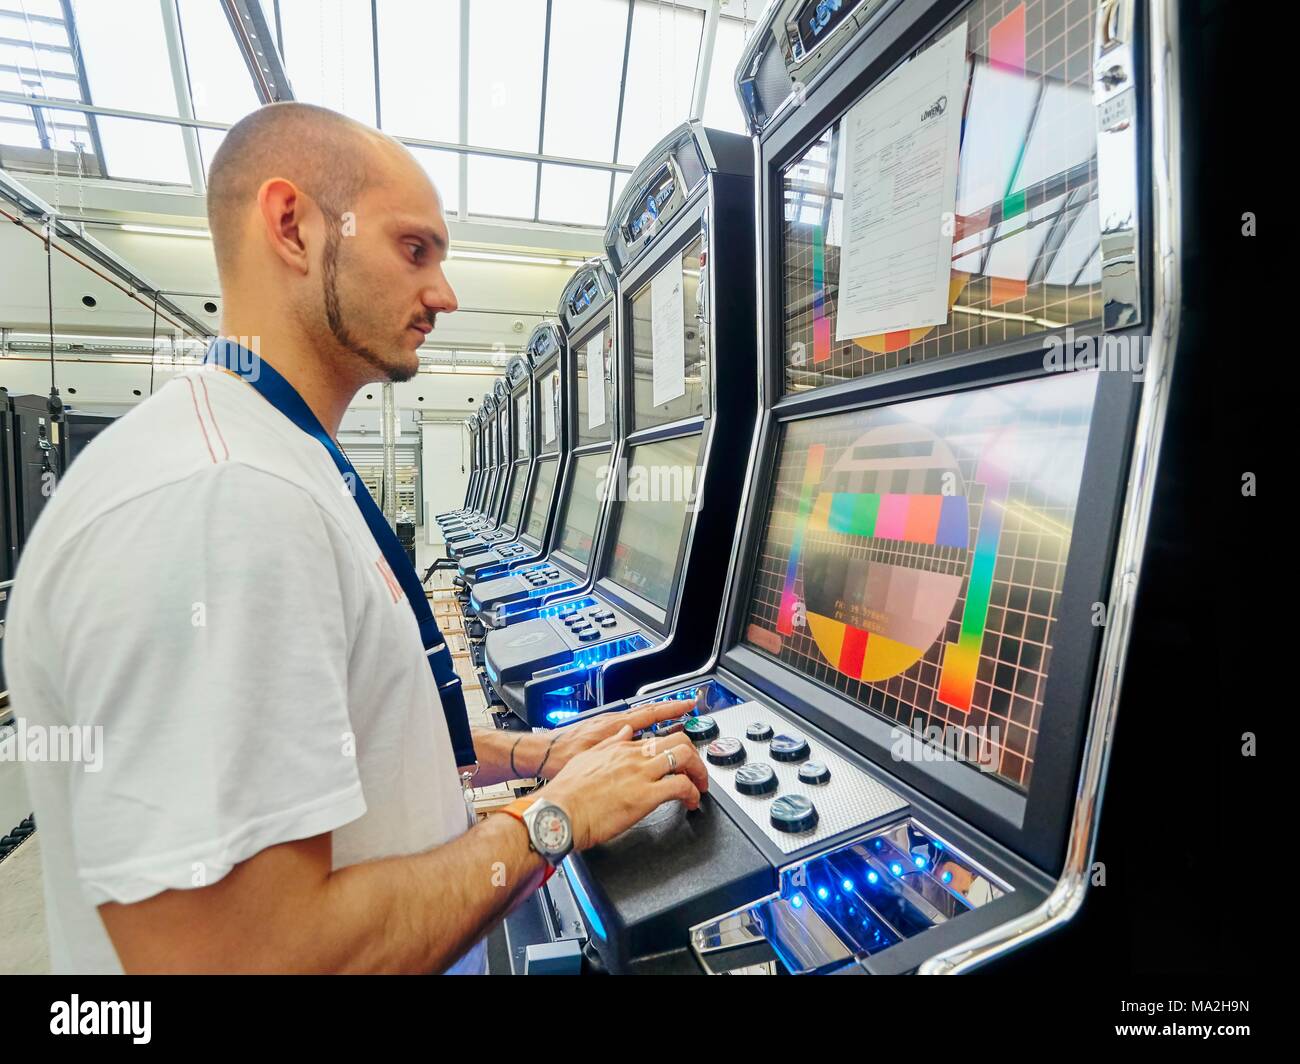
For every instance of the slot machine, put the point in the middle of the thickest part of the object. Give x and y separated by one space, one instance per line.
548 353
529 429
679 235
967 333
479 468
488 515
589 418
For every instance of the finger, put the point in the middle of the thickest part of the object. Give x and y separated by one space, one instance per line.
622 735
645 716
679 787
685 756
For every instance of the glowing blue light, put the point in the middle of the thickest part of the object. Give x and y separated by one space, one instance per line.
872 878
797 901
946 877
918 861
847 885
594 924
896 868
823 893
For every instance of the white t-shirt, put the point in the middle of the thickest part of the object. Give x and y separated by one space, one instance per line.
203 587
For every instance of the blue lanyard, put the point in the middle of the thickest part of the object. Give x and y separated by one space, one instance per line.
281 394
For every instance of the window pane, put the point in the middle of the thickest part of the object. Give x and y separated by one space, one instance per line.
443 168
721 108
505 75
572 194
419 68
143 151
660 76
582 80
503 188
114 39
329 54
220 85
22 29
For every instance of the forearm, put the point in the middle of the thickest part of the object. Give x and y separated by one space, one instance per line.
493 749
421 913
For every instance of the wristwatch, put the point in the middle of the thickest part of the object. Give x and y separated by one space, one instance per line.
550 833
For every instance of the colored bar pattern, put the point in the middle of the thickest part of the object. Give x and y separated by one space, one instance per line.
937 520
961 659
821 323
1007 52
812 475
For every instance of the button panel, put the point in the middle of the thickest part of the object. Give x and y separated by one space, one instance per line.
847 800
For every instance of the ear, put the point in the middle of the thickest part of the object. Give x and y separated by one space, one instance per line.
281 208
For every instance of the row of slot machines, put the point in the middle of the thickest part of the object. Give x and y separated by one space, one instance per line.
846 439
36 446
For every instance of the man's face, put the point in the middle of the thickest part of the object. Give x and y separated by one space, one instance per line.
382 272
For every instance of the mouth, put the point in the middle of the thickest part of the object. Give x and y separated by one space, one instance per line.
421 328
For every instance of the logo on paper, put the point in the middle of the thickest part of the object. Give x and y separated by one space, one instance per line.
935 109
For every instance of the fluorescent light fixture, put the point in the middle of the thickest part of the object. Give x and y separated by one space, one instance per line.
501 256
164 230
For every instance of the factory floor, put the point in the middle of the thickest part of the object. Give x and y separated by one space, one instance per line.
23 945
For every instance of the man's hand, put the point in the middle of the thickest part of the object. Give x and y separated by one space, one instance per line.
609 787
571 741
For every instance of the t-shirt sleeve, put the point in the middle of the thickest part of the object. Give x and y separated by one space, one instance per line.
203 635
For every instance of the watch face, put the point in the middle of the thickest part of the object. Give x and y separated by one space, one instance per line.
552 829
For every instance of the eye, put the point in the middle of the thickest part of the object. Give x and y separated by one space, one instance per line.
416 249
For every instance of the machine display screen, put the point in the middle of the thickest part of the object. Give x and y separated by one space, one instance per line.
586 492
515 508
540 503
684 395
914 557
657 485
523 437
1023 221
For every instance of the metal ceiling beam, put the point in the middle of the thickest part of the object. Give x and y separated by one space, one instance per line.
257 46
704 65
32 207
181 86
414 142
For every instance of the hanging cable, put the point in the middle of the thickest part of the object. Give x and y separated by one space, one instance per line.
153 343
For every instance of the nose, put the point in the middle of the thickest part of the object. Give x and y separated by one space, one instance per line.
439 296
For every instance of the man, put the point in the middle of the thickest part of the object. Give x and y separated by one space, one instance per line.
276 789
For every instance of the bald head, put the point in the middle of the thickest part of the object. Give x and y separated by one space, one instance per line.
326 155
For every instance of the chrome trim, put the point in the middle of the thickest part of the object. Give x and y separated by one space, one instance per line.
1067 896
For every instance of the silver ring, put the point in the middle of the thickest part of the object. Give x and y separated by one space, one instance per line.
672 762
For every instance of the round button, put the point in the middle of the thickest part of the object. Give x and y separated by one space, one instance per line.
789 748
588 634
667 727
756 779
701 729
725 751
608 622
814 772
759 732
793 813
568 615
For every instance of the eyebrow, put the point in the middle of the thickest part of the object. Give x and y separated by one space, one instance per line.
427 232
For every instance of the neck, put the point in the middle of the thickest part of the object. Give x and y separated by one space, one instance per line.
319 378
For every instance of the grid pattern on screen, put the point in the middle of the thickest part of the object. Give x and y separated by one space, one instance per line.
1037 432
540 504
515 509
582 507
1026 236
